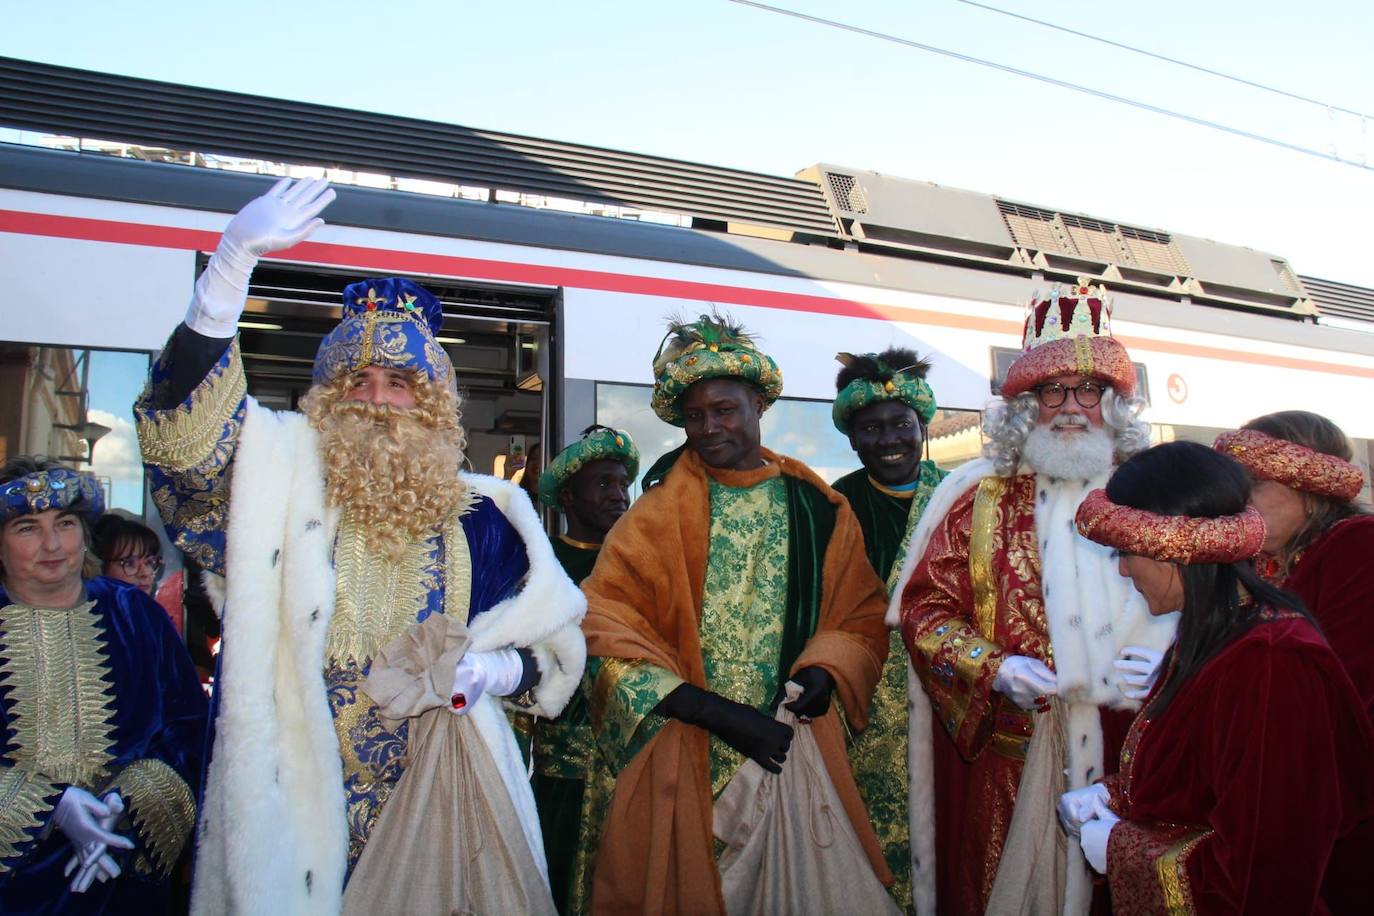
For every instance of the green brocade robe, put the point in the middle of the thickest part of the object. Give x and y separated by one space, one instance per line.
563 749
879 754
743 607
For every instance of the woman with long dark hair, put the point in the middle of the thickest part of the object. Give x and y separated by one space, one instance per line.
1251 754
1319 544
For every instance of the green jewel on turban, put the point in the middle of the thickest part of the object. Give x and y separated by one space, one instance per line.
597 443
893 375
713 346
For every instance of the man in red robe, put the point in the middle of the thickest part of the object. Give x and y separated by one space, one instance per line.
1014 624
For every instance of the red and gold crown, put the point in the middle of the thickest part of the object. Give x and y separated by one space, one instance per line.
1070 333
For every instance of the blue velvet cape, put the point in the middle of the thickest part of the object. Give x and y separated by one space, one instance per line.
159 713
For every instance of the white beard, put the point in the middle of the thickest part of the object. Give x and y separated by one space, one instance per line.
1072 456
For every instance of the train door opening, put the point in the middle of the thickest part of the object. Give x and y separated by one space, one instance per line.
498 337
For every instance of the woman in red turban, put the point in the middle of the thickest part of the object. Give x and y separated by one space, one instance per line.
1251 754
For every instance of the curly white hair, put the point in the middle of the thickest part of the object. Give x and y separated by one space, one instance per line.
1008 421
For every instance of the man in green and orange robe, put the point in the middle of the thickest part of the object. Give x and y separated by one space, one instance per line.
737 572
589 483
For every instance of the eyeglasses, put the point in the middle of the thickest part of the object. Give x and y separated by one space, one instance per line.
131 565
1088 394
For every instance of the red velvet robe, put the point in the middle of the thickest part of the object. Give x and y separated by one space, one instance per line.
1334 579
979 738
1232 799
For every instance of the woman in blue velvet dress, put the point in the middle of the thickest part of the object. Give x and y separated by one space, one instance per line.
101 717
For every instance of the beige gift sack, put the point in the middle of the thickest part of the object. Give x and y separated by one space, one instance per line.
789 845
448 841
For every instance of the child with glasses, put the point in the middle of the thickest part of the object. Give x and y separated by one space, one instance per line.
130 551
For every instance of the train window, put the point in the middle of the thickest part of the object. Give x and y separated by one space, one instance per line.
800 428
76 406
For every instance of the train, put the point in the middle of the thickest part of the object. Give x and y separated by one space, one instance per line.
559 266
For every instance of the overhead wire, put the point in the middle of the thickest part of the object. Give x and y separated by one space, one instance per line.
1165 58
1055 81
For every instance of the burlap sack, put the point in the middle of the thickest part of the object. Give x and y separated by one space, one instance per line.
448 841
1041 872
790 848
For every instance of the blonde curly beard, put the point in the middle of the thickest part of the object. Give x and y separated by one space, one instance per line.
393 471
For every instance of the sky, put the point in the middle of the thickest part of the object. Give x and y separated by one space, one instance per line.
718 82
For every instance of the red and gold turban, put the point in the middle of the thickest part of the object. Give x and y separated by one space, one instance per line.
1170 538
1291 464
1070 334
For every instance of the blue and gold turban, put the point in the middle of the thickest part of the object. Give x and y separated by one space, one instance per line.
597 443
870 377
713 346
58 488
391 323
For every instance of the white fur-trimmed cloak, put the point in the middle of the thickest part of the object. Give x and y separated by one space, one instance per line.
273 836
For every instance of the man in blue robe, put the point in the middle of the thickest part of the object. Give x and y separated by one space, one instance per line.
337 530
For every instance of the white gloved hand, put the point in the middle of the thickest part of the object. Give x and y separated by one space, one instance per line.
1138 667
102 869
1025 681
93 858
1080 805
497 673
80 816
285 215
1093 837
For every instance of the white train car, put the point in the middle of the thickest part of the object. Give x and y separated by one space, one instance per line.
558 265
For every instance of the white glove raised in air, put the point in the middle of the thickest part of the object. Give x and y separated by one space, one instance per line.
1025 681
283 216
497 673
1137 667
1081 805
1093 837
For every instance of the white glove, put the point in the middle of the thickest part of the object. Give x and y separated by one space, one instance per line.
1081 805
497 673
80 816
1025 681
93 858
278 219
1093 836
1138 667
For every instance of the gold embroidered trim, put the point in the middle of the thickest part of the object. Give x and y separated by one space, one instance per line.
376 599
895 494
580 545
458 563
613 671
980 553
1013 747
1172 871
1083 355
59 692
184 437
22 795
161 807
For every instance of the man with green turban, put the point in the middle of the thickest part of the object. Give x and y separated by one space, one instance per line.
737 571
589 482
884 405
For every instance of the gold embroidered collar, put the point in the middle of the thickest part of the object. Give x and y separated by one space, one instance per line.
580 545
60 692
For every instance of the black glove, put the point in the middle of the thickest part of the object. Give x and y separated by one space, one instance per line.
816 684
758 737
